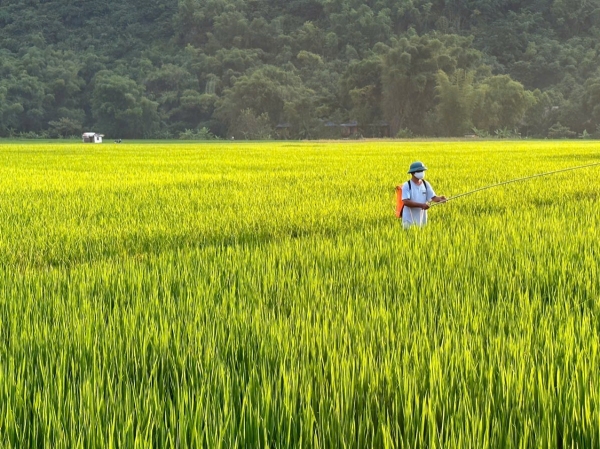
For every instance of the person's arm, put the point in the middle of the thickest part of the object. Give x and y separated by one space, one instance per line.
439 199
411 203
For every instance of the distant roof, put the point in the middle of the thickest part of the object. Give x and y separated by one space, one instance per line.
92 134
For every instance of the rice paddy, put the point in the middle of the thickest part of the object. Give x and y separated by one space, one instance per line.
264 295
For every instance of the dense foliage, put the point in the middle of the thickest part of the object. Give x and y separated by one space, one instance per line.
163 68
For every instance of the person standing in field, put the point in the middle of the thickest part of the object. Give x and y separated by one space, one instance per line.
416 195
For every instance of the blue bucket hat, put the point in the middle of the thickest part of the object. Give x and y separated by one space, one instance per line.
416 166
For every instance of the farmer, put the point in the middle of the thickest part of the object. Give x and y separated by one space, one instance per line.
416 195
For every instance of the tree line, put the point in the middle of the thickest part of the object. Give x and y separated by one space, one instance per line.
260 69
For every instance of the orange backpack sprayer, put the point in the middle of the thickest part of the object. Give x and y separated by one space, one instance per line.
399 202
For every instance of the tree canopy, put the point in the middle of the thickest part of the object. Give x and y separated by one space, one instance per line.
252 68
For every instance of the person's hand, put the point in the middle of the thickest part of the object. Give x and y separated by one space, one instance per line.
442 199
425 206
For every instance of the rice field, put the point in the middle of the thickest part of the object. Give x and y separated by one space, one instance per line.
264 295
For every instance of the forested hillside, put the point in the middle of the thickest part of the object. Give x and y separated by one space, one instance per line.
267 68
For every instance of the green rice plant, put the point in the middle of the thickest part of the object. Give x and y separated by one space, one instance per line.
263 295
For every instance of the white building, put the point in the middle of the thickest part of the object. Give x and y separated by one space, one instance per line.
92 137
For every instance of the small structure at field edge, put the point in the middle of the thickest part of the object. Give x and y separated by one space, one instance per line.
92 137
283 130
349 129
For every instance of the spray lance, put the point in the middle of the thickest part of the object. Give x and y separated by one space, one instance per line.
491 186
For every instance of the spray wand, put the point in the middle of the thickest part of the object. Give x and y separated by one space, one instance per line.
517 180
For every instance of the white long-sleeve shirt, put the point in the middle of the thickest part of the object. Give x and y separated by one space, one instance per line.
421 193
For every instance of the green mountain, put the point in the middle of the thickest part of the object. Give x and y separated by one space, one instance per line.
265 68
